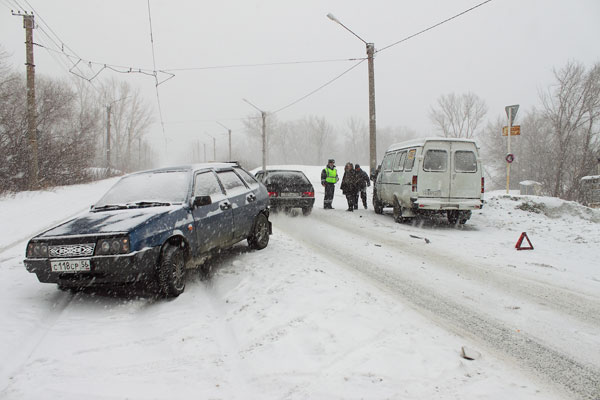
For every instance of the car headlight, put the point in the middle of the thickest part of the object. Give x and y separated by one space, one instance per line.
119 245
37 250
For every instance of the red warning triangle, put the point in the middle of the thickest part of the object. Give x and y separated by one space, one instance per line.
520 241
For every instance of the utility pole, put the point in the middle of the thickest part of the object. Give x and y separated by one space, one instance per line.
263 114
229 131
108 139
214 149
204 151
372 125
29 25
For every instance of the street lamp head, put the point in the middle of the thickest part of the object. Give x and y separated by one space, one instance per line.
333 18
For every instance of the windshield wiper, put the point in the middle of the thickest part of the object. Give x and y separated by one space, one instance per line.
109 207
147 204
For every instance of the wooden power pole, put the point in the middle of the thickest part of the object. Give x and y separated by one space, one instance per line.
33 175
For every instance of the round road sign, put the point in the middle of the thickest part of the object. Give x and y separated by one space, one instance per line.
510 158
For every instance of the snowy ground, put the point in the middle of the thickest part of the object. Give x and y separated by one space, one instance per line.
338 306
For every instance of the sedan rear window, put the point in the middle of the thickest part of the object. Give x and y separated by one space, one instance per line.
162 186
435 161
290 177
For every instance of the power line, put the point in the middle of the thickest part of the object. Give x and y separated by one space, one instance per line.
259 64
320 87
162 123
433 26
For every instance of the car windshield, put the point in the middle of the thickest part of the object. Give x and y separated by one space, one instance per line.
146 189
288 177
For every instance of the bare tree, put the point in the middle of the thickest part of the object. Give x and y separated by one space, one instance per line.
130 119
572 108
458 116
356 140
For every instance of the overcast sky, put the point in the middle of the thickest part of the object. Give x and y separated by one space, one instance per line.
503 51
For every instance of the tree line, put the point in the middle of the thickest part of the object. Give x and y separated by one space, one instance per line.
71 130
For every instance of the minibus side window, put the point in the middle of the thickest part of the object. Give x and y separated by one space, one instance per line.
410 160
465 161
399 164
388 161
435 161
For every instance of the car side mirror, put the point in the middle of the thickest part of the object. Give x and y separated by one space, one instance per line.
200 201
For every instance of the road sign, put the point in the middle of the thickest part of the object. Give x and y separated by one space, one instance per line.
510 158
514 130
511 112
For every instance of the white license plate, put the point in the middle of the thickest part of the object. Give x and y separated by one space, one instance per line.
77 265
290 194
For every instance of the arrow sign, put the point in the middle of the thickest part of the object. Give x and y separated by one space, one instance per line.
511 112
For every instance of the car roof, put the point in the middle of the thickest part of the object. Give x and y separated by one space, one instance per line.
281 170
192 167
421 142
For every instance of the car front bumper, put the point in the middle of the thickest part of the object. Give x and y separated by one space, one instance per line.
133 267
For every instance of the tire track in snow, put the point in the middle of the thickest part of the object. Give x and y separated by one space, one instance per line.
549 364
30 343
584 307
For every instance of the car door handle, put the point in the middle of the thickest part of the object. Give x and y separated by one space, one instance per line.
225 205
251 197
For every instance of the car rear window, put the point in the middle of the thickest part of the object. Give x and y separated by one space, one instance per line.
465 161
288 177
435 161
232 183
249 179
161 186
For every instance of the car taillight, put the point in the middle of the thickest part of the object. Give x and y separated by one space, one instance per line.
482 184
272 194
308 194
414 183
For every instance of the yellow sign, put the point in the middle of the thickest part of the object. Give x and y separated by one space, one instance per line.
514 130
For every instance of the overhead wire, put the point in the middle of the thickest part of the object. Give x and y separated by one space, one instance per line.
320 87
162 123
432 27
259 64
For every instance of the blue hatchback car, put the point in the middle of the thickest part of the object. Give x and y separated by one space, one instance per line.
151 226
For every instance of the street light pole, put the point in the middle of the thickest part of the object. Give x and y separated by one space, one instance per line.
229 131
372 118
263 114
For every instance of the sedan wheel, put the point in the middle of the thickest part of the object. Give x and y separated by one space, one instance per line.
259 238
171 271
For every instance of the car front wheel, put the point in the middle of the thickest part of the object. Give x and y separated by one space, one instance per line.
259 237
171 271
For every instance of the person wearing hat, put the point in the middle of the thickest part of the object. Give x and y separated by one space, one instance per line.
363 181
349 186
329 178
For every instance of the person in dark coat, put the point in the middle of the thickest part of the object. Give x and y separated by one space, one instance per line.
362 181
349 185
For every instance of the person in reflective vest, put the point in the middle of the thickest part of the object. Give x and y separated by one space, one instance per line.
329 178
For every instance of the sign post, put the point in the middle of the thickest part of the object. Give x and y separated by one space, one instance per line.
511 113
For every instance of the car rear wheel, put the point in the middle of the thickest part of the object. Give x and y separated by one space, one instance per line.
171 271
259 238
306 210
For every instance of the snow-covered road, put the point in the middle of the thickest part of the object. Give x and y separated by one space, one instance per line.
339 306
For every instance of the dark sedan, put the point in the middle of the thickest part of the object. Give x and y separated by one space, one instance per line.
151 226
288 189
